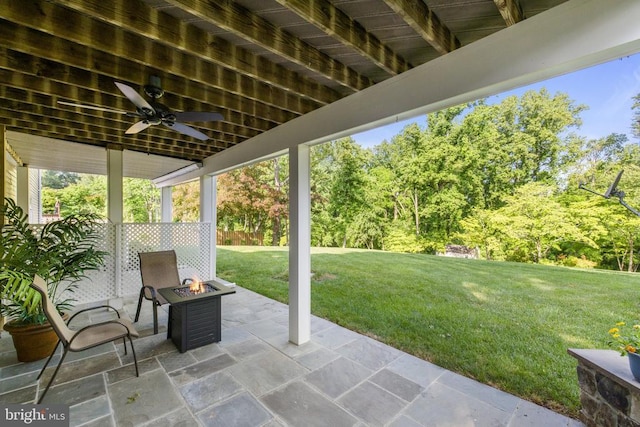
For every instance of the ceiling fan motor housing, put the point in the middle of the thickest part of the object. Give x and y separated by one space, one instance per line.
153 91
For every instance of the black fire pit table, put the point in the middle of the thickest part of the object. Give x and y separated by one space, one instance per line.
195 313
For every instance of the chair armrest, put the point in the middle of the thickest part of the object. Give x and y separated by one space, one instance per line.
93 308
151 289
93 325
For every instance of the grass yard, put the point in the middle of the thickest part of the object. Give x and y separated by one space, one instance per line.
504 324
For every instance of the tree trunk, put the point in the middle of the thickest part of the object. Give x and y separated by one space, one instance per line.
277 220
487 254
415 211
275 240
396 201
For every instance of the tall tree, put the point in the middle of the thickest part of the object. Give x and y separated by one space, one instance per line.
141 201
519 140
254 198
58 180
481 230
347 189
534 222
88 194
185 199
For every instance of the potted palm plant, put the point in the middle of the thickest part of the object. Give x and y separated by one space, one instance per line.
61 252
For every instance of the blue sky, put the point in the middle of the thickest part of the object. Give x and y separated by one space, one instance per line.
607 90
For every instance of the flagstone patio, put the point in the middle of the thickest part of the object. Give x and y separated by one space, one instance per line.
255 377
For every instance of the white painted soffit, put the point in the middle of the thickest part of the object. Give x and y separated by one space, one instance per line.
566 38
59 155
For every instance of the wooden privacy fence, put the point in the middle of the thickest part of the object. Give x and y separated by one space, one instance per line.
238 238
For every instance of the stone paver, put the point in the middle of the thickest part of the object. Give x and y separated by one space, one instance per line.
256 377
89 410
101 422
180 418
396 384
372 404
505 401
19 381
338 377
77 391
442 406
174 360
201 369
138 400
266 372
248 348
317 358
299 405
209 390
82 368
240 411
370 353
417 370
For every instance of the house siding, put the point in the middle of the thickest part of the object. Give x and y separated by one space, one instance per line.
10 177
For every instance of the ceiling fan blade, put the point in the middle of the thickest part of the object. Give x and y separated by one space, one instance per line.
135 97
91 107
198 116
187 130
137 127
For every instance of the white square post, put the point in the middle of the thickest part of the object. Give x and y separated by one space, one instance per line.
115 213
299 246
208 214
114 185
166 204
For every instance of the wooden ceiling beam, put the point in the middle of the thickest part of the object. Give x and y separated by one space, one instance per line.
41 89
30 120
100 90
130 63
426 23
232 17
141 20
510 10
339 25
45 106
46 87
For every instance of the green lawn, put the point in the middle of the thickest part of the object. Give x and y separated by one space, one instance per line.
505 324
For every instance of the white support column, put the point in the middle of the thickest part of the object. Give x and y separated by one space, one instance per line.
299 246
114 185
114 214
208 215
22 188
166 204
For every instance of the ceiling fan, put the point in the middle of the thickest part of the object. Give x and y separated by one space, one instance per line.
155 113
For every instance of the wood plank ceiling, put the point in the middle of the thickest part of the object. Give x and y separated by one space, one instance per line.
259 63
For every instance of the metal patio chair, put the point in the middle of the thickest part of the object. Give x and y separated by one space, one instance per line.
158 270
90 336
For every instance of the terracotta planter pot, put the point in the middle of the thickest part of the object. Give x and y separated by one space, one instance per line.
32 342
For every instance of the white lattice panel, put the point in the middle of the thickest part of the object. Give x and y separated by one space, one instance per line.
101 285
98 285
190 241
